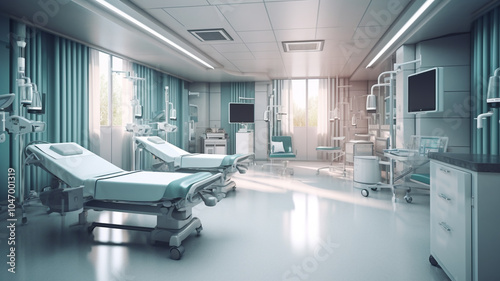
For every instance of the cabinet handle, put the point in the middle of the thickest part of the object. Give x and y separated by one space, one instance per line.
445 226
444 170
444 197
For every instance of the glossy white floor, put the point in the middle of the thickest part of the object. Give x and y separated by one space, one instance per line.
273 227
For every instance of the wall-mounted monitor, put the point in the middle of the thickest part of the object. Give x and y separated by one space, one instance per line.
241 113
425 91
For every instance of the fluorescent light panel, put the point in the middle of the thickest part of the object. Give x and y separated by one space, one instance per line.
151 31
403 29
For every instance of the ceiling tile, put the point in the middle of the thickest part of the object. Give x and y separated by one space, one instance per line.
266 55
262 47
246 17
383 13
295 34
256 36
335 33
198 17
239 56
154 4
225 2
230 48
342 13
293 14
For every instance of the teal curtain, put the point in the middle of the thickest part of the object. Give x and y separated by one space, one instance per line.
485 59
59 68
231 92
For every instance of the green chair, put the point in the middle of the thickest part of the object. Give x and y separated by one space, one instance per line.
422 145
282 150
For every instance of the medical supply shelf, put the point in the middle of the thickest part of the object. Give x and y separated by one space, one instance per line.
465 229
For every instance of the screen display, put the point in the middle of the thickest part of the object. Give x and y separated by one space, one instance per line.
241 113
423 91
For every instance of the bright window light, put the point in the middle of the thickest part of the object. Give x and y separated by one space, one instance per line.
405 27
151 31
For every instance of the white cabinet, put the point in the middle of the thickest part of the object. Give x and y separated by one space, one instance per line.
451 220
244 142
465 228
357 148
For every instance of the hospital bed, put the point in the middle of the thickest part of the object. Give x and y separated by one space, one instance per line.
88 181
175 159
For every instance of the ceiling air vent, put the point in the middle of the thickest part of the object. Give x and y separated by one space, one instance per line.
211 35
303 46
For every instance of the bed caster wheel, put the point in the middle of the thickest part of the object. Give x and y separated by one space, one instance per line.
198 230
408 199
365 192
433 261
176 252
374 188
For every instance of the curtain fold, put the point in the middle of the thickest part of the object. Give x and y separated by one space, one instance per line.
485 59
59 68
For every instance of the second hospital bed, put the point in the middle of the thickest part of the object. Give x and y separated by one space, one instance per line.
90 182
174 158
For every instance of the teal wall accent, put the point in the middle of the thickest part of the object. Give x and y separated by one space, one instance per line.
59 68
485 59
231 92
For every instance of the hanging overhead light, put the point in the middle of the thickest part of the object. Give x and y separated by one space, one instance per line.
403 29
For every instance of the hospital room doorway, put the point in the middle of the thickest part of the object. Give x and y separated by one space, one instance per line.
308 110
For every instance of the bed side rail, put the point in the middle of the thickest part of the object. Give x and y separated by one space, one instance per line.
201 190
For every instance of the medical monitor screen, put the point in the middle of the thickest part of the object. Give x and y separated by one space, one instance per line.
424 91
241 113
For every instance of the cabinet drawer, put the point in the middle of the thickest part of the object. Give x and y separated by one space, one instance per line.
451 220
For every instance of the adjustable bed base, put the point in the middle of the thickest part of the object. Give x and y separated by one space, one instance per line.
88 182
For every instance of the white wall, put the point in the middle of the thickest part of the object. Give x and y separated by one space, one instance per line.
452 53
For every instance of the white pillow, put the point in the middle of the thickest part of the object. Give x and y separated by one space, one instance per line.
277 147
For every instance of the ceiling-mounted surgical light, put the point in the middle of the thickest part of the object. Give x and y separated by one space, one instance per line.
151 31
403 29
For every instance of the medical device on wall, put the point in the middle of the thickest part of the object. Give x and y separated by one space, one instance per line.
30 97
138 129
492 97
425 91
371 103
5 101
168 128
170 112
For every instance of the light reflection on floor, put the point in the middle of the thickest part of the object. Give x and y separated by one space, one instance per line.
273 227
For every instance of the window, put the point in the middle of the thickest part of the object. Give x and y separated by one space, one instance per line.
113 91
